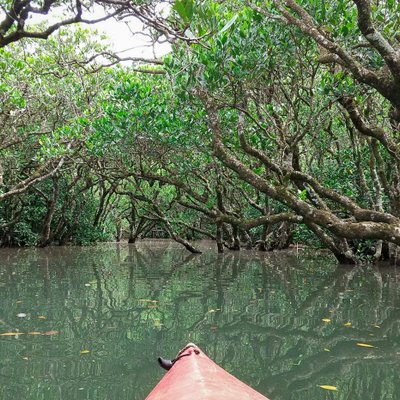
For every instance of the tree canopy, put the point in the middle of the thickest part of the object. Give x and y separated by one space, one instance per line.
269 122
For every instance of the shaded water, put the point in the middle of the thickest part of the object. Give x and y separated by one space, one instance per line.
257 315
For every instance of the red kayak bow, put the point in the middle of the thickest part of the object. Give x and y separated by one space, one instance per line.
193 376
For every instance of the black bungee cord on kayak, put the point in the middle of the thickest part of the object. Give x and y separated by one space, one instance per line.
168 364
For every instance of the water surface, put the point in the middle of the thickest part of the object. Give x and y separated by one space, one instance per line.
95 319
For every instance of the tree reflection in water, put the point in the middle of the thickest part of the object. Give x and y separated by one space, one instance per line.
258 315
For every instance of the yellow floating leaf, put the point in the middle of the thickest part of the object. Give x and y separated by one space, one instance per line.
42 317
371 334
12 334
328 387
85 351
326 320
365 345
18 302
25 358
377 326
211 311
347 324
326 349
34 333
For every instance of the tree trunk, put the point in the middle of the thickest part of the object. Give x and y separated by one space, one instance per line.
132 223
394 254
220 244
282 237
132 234
51 207
262 244
249 242
236 239
118 232
180 240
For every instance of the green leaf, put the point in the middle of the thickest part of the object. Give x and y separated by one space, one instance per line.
303 195
185 9
229 24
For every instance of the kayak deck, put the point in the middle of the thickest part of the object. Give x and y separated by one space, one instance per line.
194 376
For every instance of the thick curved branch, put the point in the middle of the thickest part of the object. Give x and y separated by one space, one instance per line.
389 230
367 130
141 64
39 175
21 10
296 15
376 39
260 221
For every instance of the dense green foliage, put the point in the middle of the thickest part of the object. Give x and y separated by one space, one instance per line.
268 123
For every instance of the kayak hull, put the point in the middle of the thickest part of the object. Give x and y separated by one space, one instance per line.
194 376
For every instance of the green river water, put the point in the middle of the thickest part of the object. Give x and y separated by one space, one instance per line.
94 320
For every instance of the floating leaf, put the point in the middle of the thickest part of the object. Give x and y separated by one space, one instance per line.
328 387
34 333
213 328
326 349
85 351
326 320
18 302
25 358
12 334
157 323
377 326
21 315
49 333
347 324
371 334
42 317
365 345
211 311
87 284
